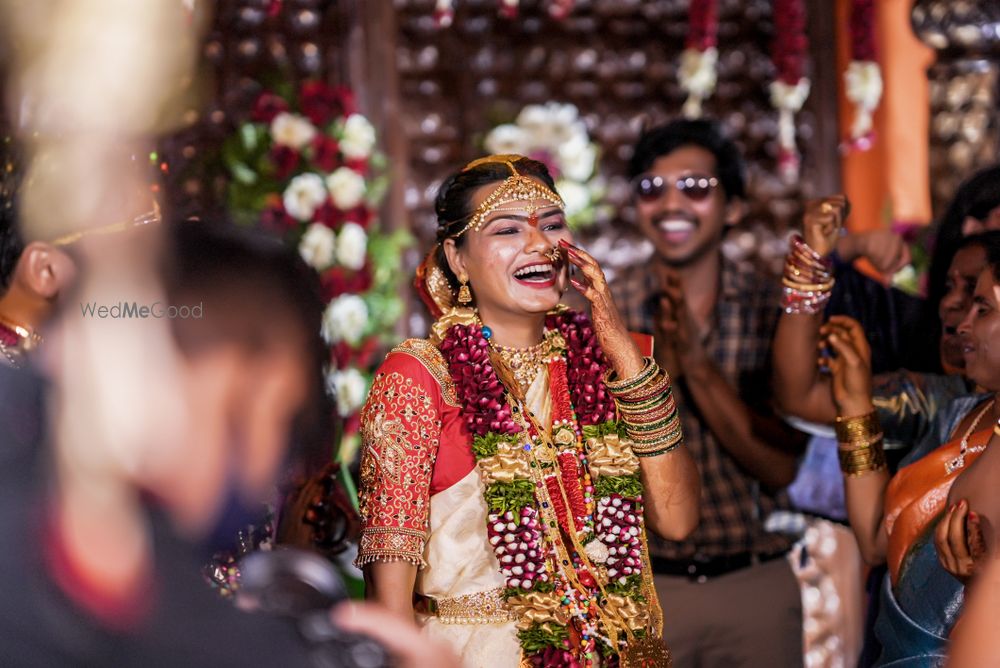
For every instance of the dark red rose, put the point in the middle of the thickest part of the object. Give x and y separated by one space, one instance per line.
345 98
322 103
340 354
325 152
584 576
267 106
360 165
285 160
337 281
361 215
352 424
329 215
365 353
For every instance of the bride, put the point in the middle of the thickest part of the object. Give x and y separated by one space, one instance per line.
512 462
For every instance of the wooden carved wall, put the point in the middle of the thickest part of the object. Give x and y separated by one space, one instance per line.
964 87
248 44
616 60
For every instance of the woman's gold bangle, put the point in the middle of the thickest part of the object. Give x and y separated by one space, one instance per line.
858 428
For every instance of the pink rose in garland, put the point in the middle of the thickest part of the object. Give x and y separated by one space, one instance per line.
306 167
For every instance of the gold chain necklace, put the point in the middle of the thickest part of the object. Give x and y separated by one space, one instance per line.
526 363
958 462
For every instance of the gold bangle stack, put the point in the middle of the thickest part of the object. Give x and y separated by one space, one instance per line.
648 410
860 449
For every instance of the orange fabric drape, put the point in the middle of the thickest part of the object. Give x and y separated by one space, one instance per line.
890 182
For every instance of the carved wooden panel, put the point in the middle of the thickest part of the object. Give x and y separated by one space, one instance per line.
964 87
249 44
616 60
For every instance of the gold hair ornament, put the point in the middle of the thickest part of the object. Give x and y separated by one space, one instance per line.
516 187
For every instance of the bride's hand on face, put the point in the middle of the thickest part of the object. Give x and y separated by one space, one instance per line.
619 349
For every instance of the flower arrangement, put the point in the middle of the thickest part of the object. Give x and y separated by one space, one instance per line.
698 60
791 87
306 167
863 78
555 134
583 483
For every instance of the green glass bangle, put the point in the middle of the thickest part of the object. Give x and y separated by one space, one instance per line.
619 386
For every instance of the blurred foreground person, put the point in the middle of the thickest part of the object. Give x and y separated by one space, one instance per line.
102 566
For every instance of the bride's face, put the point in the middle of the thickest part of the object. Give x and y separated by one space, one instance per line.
512 263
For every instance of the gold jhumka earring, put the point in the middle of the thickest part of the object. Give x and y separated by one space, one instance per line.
464 294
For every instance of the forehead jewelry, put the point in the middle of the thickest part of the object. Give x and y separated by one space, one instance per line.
515 188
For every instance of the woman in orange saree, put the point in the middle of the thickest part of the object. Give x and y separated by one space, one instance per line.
894 519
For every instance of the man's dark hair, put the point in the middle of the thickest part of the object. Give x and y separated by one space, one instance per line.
257 293
665 139
11 241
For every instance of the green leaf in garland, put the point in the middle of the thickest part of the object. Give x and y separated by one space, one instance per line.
540 587
540 636
628 486
243 174
511 496
487 446
603 429
632 588
250 137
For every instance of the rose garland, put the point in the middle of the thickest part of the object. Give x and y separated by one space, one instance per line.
594 468
306 168
697 73
791 87
863 78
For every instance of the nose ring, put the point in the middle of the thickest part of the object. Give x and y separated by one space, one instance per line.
553 254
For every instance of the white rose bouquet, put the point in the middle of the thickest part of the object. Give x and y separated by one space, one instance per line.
556 135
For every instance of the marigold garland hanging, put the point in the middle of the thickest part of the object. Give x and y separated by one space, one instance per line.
863 77
697 73
790 88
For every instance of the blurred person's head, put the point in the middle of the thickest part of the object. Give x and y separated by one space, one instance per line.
979 330
32 274
254 359
967 264
688 183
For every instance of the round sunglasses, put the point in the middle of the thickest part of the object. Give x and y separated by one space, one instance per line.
650 187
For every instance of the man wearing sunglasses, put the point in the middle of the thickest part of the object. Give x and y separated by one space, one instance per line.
729 595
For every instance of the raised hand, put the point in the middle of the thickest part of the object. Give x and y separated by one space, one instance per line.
676 322
850 364
886 250
620 350
960 544
822 221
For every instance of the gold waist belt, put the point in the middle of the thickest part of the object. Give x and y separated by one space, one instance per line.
482 607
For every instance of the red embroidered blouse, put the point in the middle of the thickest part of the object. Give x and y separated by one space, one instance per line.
414 445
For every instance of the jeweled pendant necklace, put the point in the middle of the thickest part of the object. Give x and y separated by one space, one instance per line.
524 363
958 462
